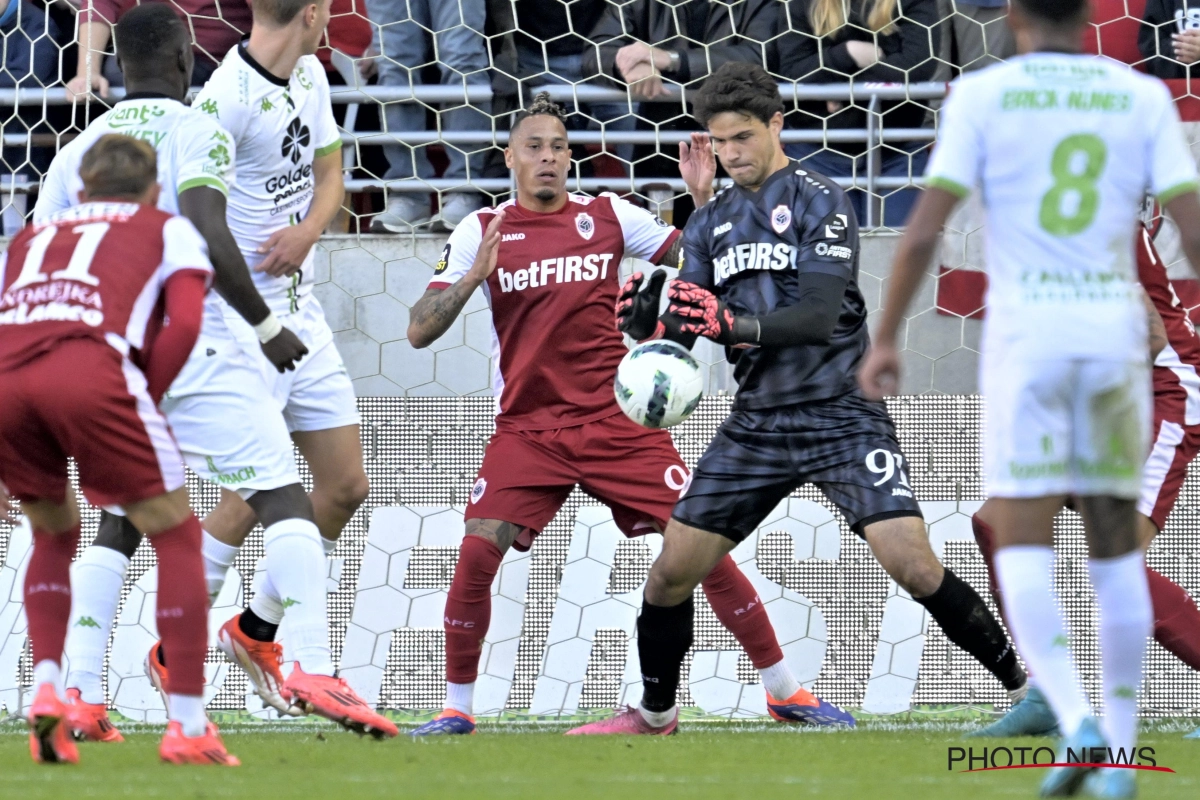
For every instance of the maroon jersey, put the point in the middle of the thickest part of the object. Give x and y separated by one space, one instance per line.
1176 377
91 271
555 345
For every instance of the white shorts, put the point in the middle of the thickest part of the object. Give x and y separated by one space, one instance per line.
317 395
1065 426
226 422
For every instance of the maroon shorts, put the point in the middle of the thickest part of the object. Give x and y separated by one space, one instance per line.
86 401
1175 445
527 475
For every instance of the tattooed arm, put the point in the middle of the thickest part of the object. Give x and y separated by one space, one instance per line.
672 255
437 309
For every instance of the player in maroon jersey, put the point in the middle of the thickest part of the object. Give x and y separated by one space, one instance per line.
1175 348
100 306
549 263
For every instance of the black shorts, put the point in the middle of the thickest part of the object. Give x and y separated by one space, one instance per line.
846 446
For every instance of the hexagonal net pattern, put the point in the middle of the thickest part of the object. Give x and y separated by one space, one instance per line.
562 639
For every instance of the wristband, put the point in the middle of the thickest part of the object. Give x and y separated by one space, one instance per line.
269 328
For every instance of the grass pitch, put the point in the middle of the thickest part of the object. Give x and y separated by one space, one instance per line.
881 760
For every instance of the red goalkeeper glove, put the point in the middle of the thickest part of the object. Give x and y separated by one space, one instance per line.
637 308
701 312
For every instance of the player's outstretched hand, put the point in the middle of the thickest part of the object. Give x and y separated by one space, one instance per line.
879 375
489 248
637 308
286 250
701 312
284 350
698 167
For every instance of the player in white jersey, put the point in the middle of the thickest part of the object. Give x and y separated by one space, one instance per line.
272 97
219 405
1063 147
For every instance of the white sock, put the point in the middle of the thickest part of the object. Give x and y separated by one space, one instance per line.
1018 694
96 580
657 719
460 696
218 558
779 681
48 672
1025 573
296 567
1126 621
329 544
265 604
188 711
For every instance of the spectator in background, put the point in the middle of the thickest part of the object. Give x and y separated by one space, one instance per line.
216 25
460 52
975 33
1170 38
649 44
550 40
880 41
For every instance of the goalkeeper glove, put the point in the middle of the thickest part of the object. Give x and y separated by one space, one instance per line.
637 308
704 314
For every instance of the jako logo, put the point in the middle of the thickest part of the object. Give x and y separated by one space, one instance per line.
562 270
512 237
723 228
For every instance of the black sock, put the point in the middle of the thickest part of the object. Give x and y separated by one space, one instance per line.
965 618
664 636
256 627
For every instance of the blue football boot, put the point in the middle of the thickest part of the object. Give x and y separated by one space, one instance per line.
1030 717
448 723
1194 734
805 707
1119 783
1066 781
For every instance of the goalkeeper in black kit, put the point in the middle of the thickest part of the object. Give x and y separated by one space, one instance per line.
770 270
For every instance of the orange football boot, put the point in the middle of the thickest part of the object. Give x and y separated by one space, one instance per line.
156 671
332 698
50 739
89 722
176 748
261 661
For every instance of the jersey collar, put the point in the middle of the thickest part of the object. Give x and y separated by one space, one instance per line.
148 96
267 75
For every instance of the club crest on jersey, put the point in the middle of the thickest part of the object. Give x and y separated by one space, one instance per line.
781 218
585 225
478 489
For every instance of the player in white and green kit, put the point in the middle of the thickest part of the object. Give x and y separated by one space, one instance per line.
1063 147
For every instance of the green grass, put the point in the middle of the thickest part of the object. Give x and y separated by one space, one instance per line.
885 759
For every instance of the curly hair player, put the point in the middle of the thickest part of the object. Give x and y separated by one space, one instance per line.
1064 364
548 264
770 269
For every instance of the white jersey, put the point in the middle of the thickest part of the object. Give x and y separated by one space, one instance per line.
1063 148
280 127
192 149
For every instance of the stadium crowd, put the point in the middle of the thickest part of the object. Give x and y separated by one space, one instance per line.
649 46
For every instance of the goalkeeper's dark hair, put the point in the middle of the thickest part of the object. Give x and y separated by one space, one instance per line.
739 87
1056 12
541 105
147 37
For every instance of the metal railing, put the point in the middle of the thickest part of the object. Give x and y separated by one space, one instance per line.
874 136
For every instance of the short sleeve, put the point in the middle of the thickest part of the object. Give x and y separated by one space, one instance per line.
1172 166
828 234
232 116
183 248
459 253
957 160
325 131
646 236
207 157
55 192
696 262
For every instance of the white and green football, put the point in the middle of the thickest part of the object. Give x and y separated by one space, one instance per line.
658 384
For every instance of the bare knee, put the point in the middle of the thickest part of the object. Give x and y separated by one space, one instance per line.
667 587
160 513
902 549
1110 524
348 493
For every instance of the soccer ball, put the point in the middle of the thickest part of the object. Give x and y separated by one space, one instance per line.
658 384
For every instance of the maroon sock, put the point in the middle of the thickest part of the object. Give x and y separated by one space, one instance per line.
737 606
469 607
48 592
986 539
182 605
1176 618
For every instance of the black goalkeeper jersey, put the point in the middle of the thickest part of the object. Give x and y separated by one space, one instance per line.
749 247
